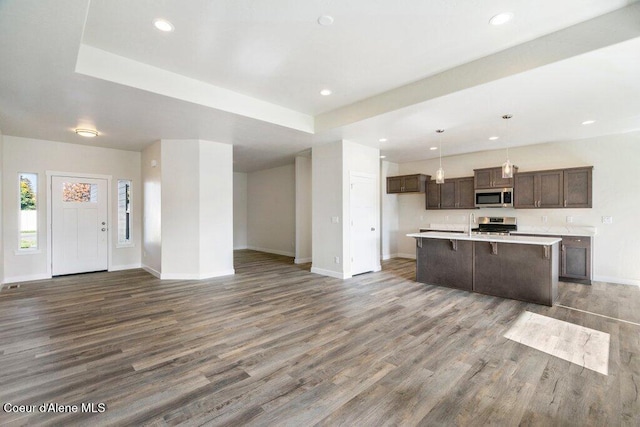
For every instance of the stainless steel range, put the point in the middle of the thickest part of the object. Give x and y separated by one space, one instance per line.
500 226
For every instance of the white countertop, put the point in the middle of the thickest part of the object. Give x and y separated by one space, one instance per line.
523 240
577 230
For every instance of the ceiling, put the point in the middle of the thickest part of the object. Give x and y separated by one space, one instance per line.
249 73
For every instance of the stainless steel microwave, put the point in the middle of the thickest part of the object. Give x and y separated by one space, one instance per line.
494 198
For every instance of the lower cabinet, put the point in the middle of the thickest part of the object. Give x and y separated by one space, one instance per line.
445 263
575 261
522 272
575 258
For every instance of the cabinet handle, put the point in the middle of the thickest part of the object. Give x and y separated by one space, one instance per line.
565 203
546 252
454 245
494 248
562 248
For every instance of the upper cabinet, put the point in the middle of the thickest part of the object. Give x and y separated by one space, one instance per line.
492 178
578 187
562 188
455 193
416 183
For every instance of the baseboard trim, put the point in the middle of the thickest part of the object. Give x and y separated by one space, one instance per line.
28 278
617 280
240 248
330 273
151 271
272 251
302 260
125 267
389 256
409 256
377 268
203 276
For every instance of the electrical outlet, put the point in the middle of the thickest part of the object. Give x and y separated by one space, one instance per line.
569 219
335 219
544 219
607 220
336 260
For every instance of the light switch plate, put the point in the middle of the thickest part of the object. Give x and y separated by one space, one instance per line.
607 220
569 219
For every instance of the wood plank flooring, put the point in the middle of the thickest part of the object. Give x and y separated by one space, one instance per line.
277 345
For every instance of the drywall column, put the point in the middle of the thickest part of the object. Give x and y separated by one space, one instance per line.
1 210
152 209
332 166
303 209
239 210
188 209
389 212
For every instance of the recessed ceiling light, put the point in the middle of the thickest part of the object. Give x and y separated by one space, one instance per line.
588 122
88 133
325 20
163 25
433 148
325 92
382 140
501 18
493 138
383 157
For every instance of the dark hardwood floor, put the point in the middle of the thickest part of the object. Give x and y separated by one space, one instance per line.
277 345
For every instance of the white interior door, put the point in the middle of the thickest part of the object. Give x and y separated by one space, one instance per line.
363 224
79 225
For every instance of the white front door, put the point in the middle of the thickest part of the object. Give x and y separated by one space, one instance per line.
363 224
79 225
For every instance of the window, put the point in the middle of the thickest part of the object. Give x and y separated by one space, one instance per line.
28 211
79 192
124 211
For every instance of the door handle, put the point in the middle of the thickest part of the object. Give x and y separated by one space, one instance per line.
373 229
104 229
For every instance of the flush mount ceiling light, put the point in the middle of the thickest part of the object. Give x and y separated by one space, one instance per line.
501 18
440 171
433 148
507 167
382 140
87 133
163 25
588 122
325 20
493 138
325 92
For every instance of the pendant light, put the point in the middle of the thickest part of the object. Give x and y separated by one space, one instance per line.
440 172
507 167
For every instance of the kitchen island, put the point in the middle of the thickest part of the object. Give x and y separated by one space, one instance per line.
517 267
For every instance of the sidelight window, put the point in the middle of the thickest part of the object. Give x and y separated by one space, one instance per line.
124 212
28 189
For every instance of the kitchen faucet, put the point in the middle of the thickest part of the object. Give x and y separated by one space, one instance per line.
472 219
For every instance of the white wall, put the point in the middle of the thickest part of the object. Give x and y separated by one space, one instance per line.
616 193
1 211
390 215
271 210
303 209
39 156
327 208
239 210
332 166
216 209
152 209
362 160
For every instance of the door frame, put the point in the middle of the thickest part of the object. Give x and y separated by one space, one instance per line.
50 175
376 256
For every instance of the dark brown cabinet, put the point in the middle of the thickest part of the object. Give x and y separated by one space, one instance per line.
416 183
445 263
577 187
575 259
492 178
455 193
539 189
561 188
